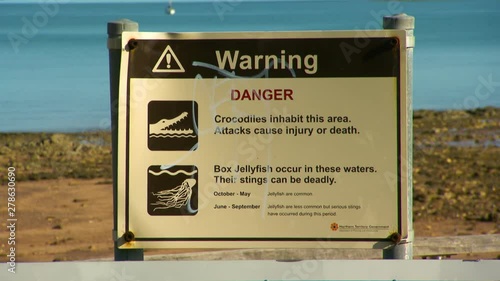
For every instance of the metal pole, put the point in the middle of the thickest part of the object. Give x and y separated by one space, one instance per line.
115 29
404 249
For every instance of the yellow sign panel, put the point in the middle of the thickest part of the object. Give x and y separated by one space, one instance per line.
282 140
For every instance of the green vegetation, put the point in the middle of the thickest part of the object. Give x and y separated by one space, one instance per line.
39 156
456 161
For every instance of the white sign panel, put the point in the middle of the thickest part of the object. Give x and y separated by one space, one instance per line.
262 139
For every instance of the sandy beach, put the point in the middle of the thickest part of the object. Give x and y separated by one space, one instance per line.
64 187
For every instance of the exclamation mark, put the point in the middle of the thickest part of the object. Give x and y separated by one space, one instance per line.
169 58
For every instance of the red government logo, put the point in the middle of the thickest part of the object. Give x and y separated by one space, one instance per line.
334 226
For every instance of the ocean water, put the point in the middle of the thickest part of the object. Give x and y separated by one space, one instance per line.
54 59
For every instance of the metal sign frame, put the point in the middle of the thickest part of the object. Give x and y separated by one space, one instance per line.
127 237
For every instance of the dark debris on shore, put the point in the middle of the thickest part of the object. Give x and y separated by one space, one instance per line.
456 162
38 156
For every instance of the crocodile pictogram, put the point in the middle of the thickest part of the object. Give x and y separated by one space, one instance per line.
163 126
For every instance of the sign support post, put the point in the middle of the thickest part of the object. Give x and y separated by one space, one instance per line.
115 30
404 249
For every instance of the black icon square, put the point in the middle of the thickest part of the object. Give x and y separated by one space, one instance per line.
173 125
172 190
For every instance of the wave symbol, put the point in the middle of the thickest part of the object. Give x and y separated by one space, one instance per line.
171 136
173 132
173 173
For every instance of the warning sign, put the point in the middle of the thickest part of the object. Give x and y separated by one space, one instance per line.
168 62
263 140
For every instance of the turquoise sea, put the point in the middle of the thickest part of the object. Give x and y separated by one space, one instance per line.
54 59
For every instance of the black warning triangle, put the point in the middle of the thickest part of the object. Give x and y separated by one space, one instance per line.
168 62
